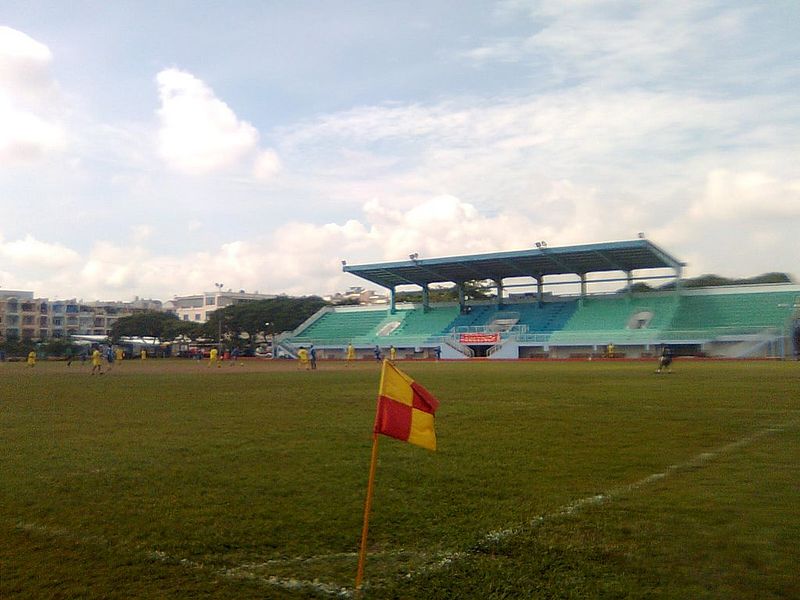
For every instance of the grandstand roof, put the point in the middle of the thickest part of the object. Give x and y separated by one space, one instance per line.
537 262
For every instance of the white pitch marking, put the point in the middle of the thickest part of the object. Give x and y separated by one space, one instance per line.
573 507
244 571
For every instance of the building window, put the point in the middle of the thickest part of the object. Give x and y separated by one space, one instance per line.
197 316
185 317
210 300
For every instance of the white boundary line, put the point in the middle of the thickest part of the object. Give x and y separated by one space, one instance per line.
695 462
246 571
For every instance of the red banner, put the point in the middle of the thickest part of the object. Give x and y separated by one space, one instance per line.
479 338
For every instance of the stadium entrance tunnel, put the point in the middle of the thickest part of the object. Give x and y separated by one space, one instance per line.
481 351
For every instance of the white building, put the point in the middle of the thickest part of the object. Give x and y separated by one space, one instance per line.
198 307
357 295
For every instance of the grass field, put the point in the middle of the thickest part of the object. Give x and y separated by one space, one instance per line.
166 479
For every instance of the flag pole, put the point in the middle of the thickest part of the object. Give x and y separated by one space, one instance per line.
362 553
373 463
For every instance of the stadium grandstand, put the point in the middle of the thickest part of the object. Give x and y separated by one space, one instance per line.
635 320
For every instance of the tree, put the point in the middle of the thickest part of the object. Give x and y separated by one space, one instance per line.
249 319
711 280
14 346
473 290
58 347
153 323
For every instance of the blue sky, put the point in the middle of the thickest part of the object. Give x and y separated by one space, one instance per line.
154 148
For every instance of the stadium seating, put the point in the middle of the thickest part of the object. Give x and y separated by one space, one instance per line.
478 316
637 319
421 324
550 316
734 312
601 318
335 326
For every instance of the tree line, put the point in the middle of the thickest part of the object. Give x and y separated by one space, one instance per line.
239 324
246 321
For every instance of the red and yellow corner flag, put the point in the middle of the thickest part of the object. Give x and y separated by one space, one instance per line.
405 409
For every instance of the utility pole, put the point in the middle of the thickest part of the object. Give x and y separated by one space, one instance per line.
219 287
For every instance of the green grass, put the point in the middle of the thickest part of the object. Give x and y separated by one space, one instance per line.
172 480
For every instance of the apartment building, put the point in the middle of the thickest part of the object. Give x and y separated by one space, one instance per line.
25 317
198 307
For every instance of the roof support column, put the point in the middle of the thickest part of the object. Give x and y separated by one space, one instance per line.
583 289
392 307
678 280
425 298
540 290
462 305
629 285
499 284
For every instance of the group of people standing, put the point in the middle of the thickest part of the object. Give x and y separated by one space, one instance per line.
307 357
214 359
110 354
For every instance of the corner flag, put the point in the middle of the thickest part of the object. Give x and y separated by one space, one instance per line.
405 409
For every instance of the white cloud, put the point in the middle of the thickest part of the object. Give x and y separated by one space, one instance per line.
612 42
199 132
267 165
28 127
24 63
29 252
140 233
747 195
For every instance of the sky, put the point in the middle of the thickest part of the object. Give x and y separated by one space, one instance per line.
153 149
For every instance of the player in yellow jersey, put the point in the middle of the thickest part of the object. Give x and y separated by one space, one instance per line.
97 362
213 358
31 358
351 354
302 356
